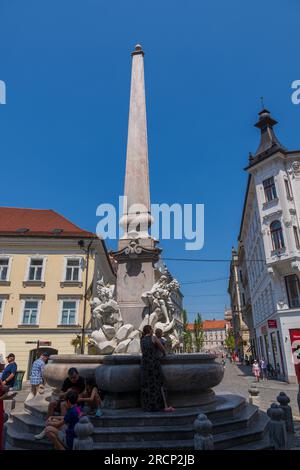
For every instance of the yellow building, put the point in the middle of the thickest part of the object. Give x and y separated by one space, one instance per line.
43 280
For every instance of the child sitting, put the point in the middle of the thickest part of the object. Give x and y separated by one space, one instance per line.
90 399
60 429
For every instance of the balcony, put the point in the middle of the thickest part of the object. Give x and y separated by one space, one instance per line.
279 252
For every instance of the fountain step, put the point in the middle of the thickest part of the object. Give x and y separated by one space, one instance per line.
250 423
134 421
244 419
32 424
25 440
137 434
261 444
10 447
238 431
39 410
28 423
252 437
224 407
239 437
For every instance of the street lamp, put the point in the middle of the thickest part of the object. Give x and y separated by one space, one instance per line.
81 244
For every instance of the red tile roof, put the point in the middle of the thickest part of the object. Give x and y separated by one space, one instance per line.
210 325
38 223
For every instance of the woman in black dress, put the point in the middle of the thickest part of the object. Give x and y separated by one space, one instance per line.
151 373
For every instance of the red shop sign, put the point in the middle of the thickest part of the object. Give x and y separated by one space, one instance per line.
295 343
272 323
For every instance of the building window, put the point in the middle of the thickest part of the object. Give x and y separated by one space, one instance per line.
68 312
35 269
243 299
276 235
296 235
4 263
293 290
72 270
270 189
287 189
30 312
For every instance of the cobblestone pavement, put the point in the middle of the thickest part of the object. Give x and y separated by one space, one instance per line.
237 379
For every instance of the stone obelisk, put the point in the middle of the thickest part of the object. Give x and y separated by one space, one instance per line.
136 253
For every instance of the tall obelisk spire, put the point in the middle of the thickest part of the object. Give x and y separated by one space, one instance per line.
136 216
137 252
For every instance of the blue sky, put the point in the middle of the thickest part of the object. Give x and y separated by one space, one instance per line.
63 130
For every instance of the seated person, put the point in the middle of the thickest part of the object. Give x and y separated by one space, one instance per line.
74 382
90 399
60 429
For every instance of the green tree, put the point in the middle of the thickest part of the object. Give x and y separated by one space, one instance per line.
187 336
198 332
230 342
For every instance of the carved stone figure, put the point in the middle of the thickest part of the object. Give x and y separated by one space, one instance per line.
110 334
161 309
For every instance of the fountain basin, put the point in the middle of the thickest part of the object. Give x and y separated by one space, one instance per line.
56 370
188 379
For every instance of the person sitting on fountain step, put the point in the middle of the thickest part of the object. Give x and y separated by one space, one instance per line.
90 399
74 382
60 429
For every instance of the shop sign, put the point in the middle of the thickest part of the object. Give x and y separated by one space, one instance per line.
272 323
44 343
295 344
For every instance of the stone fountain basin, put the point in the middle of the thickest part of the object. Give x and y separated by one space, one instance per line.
56 370
188 379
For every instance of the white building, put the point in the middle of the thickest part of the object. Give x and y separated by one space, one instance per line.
269 239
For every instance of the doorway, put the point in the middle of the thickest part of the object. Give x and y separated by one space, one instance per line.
35 354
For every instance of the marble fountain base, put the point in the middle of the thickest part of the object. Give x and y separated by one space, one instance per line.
189 379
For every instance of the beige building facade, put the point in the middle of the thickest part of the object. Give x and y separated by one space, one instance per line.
43 281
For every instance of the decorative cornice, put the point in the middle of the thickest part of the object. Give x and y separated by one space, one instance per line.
41 331
69 296
34 284
32 296
272 215
136 251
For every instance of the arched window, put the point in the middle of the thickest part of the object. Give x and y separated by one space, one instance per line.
276 235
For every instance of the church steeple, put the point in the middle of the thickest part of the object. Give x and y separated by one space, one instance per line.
268 139
137 191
